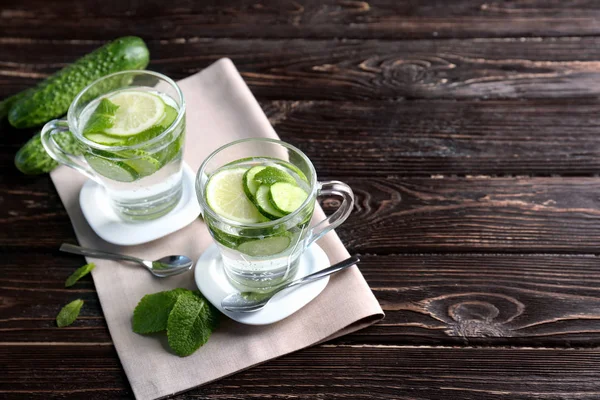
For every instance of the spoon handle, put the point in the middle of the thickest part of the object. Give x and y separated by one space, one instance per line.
324 272
82 251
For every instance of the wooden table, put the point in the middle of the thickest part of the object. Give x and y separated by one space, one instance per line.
470 132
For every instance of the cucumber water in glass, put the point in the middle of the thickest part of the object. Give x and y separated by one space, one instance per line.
130 127
257 197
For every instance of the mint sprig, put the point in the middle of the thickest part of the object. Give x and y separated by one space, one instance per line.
152 312
187 317
102 118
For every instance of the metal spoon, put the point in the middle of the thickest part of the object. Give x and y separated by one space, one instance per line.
252 301
162 268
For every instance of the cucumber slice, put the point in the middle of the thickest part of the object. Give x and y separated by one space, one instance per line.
293 168
286 198
264 205
250 185
225 239
140 161
278 161
143 163
169 117
101 138
115 170
271 175
172 150
265 247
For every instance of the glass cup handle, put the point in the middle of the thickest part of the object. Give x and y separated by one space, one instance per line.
335 188
58 154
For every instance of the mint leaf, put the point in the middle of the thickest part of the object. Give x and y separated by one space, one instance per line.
69 313
102 118
152 312
79 273
187 316
190 324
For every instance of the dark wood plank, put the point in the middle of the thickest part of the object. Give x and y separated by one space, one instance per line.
32 293
327 371
65 370
408 215
394 19
343 101
420 138
32 214
351 69
474 214
488 299
424 138
438 299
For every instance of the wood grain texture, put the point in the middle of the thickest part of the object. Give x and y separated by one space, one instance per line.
421 138
338 69
32 293
473 214
547 300
489 299
399 215
468 131
443 137
389 19
325 372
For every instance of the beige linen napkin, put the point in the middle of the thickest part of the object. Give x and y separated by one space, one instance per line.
220 109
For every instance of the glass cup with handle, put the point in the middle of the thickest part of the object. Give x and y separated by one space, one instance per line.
257 198
129 130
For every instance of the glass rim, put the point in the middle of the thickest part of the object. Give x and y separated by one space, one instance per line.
206 208
180 113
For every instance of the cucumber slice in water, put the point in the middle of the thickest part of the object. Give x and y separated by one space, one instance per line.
169 117
264 205
115 170
225 239
271 175
101 138
143 163
250 185
140 162
293 168
286 198
285 164
265 247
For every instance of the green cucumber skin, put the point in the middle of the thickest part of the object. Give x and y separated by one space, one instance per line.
52 97
6 104
32 159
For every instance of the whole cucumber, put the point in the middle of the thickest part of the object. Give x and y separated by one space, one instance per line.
32 159
52 97
6 104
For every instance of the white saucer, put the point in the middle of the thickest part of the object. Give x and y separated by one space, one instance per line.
96 208
212 282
